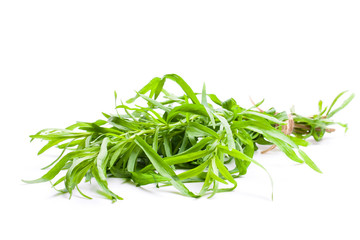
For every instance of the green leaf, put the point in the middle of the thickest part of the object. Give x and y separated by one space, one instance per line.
178 159
194 171
57 134
104 185
283 142
308 161
159 88
77 171
229 104
58 166
229 134
187 89
163 168
334 101
236 154
208 180
98 123
197 109
198 130
266 116
299 141
120 147
101 159
60 180
206 105
155 140
215 99
320 106
257 104
155 103
157 115
198 146
147 178
50 144
57 159
122 124
224 171
82 194
132 159
150 86
343 105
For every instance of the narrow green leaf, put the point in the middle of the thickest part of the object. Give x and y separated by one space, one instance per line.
163 168
58 166
104 185
266 116
229 134
193 172
184 143
77 171
101 159
197 130
57 159
206 105
82 194
236 154
155 103
197 109
334 101
308 161
178 159
167 146
208 180
50 144
187 89
216 178
320 106
147 178
155 140
215 99
198 146
132 159
159 88
157 115
117 153
151 85
343 105
122 124
224 171
60 180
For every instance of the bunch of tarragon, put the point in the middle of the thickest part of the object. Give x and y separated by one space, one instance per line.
180 139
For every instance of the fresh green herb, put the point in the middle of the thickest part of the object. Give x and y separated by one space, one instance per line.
178 140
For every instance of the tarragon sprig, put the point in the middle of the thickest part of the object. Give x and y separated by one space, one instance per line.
208 140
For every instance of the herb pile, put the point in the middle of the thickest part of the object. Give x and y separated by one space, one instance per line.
178 140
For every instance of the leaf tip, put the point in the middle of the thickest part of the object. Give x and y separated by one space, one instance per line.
27 181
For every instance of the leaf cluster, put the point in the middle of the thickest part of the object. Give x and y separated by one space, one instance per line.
175 140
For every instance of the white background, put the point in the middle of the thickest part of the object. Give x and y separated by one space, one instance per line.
60 62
